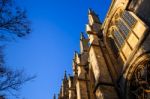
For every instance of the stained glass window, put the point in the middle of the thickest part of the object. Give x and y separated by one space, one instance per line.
123 28
119 38
123 24
129 19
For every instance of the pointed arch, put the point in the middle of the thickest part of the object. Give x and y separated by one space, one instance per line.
137 80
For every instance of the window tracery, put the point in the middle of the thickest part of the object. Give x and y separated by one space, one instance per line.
118 37
140 82
123 28
129 19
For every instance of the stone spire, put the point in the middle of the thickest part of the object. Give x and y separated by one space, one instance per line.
65 76
74 63
93 17
83 43
94 25
65 86
54 97
82 36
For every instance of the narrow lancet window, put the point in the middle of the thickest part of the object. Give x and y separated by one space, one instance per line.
123 28
118 37
129 19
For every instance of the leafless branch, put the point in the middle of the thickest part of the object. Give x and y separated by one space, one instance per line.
13 20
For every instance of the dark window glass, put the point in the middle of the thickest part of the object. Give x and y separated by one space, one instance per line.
123 28
119 38
113 46
129 19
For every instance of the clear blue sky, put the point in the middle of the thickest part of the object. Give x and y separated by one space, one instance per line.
48 50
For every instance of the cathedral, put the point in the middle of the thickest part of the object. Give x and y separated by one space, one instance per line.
114 58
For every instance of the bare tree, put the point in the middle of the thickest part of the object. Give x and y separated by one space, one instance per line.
11 80
13 20
13 23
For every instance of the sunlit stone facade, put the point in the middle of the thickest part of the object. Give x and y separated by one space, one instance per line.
114 61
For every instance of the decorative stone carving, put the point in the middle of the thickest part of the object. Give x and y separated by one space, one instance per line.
140 82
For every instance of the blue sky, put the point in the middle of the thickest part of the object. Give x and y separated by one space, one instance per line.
48 50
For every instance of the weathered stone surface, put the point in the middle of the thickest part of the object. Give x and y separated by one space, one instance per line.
115 58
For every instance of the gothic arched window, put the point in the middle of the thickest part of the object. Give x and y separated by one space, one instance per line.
122 28
113 46
119 40
139 87
129 19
